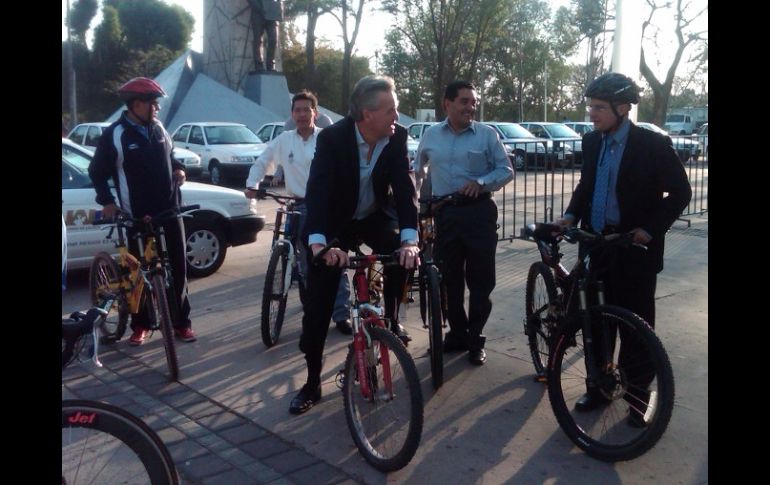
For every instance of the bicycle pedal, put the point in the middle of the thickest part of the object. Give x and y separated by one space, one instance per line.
339 379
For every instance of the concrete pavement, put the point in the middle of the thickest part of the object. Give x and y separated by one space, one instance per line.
227 419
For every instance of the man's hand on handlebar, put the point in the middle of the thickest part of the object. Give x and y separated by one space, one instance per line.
255 193
409 256
333 257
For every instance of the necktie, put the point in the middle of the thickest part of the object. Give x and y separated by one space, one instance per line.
601 188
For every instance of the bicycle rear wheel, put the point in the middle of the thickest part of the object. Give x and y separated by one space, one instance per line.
385 426
160 309
102 444
105 272
543 312
273 295
435 332
609 433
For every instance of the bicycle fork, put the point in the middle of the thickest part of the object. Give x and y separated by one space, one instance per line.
367 357
593 371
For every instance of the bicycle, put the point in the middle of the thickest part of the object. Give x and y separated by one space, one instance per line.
283 268
379 381
566 314
102 443
135 282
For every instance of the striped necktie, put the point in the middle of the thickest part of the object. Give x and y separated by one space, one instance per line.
601 188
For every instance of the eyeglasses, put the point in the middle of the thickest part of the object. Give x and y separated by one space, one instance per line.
597 107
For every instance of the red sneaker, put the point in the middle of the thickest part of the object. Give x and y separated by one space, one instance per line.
185 334
137 338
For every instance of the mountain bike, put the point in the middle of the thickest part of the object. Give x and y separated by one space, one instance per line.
133 283
582 339
379 381
102 443
283 268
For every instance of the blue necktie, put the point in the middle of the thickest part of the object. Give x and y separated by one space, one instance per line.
601 188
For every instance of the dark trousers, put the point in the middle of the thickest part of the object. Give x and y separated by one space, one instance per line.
175 245
270 29
630 283
380 232
466 243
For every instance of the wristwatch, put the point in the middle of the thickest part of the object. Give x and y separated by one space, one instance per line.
480 181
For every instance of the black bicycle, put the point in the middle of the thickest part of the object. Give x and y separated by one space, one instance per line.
283 268
102 443
589 346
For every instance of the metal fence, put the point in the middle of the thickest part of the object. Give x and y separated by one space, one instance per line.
543 183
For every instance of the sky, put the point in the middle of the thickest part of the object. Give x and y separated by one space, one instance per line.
373 28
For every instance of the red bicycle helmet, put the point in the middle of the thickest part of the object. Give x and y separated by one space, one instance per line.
142 88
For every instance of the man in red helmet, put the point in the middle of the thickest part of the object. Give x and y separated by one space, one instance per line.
135 152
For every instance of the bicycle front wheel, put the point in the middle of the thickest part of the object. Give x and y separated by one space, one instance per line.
635 385
102 444
386 425
104 276
161 311
273 295
542 312
435 332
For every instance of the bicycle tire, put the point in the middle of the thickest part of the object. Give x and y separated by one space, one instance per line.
604 433
435 332
162 314
101 439
374 422
543 311
273 295
104 270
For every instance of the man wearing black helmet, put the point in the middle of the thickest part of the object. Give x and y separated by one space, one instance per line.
135 152
631 182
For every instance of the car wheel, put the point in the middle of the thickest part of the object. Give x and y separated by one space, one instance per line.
518 159
217 177
205 248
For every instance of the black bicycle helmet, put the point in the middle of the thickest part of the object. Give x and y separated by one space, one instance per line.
141 88
614 88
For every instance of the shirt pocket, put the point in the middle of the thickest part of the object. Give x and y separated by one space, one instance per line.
477 162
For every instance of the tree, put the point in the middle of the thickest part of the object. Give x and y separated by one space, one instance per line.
685 35
348 11
80 16
147 23
413 86
313 9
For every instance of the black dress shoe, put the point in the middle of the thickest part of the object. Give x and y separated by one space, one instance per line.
477 357
305 399
344 327
590 401
400 332
453 344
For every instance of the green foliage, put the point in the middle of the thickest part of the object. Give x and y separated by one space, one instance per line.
147 23
82 12
329 73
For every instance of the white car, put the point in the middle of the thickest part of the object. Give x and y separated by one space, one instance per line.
88 134
580 127
268 131
703 137
225 218
227 150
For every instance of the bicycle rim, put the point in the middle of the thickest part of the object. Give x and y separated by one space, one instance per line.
102 444
386 427
273 296
606 433
435 333
542 315
104 273
163 317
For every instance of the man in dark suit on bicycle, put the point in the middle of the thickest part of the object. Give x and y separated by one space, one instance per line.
631 182
360 188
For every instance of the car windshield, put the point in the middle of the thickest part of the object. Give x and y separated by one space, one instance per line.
511 130
79 160
561 131
230 135
675 119
651 127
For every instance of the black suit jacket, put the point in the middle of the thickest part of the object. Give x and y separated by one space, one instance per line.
333 184
649 167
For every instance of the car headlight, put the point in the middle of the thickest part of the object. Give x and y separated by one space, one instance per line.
253 206
242 159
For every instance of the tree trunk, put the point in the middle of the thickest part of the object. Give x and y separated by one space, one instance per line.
345 101
312 20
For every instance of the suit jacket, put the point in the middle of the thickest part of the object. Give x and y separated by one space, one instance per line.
649 167
333 184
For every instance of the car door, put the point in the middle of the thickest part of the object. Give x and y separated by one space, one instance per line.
78 134
266 133
197 143
415 131
92 137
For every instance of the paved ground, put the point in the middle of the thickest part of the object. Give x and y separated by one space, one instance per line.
226 421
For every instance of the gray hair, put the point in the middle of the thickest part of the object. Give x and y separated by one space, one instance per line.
364 94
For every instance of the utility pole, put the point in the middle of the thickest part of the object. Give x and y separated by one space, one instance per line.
71 72
545 90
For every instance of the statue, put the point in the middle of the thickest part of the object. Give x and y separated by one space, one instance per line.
265 15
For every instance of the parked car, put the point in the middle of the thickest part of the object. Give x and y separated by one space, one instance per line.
268 131
524 149
227 150
685 146
703 139
225 218
417 129
564 142
88 134
580 127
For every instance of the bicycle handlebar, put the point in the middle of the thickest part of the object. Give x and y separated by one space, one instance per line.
553 233
280 198
122 218
359 259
